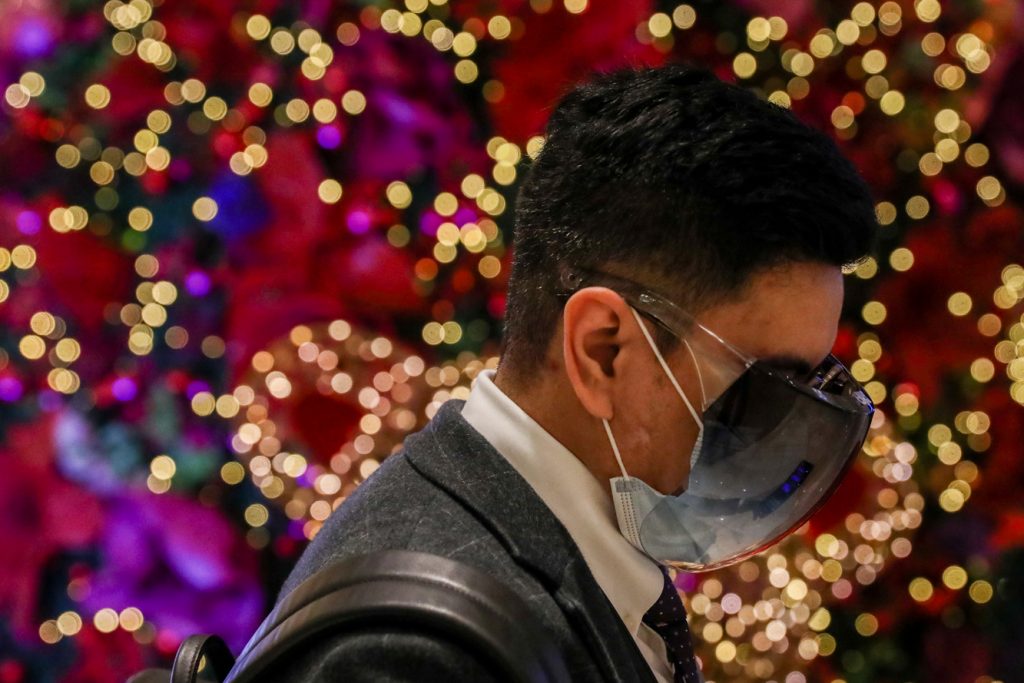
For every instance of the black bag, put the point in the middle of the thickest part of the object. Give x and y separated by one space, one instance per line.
431 594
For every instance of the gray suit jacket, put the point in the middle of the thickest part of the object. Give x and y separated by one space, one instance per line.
449 492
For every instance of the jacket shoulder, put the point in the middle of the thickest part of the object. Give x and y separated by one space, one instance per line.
396 508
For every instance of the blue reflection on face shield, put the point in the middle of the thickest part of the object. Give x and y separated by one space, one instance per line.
785 490
764 506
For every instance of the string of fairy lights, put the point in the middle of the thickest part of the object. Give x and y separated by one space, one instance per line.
764 619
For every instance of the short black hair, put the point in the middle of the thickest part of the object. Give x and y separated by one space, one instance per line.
685 182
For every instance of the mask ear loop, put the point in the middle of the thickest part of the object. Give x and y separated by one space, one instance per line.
664 366
679 390
615 447
698 444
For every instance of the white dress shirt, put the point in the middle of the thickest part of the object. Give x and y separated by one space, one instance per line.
631 580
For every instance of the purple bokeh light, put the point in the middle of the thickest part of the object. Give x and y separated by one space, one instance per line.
358 222
329 137
11 389
198 283
430 222
29 222
465 215
124 389
33 38
194 387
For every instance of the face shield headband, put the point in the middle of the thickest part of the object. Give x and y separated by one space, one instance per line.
773 444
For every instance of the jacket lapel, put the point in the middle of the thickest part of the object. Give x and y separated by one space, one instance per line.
456 458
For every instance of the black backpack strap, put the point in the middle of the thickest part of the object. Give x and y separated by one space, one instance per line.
187 661
408 589
192 651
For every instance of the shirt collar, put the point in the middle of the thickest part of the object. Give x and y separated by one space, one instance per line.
631 580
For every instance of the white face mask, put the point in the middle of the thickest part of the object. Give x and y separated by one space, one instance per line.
634 499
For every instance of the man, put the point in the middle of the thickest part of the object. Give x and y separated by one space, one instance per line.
665 394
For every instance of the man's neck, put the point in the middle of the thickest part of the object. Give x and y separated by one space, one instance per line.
557 410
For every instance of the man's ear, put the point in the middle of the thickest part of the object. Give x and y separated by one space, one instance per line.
592 337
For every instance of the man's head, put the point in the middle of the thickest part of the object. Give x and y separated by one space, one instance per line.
697 189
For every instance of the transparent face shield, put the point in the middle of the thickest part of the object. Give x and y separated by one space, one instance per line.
774 445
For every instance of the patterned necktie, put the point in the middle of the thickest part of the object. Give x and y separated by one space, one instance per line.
668 619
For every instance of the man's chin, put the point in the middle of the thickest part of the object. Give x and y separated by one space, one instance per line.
662 486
